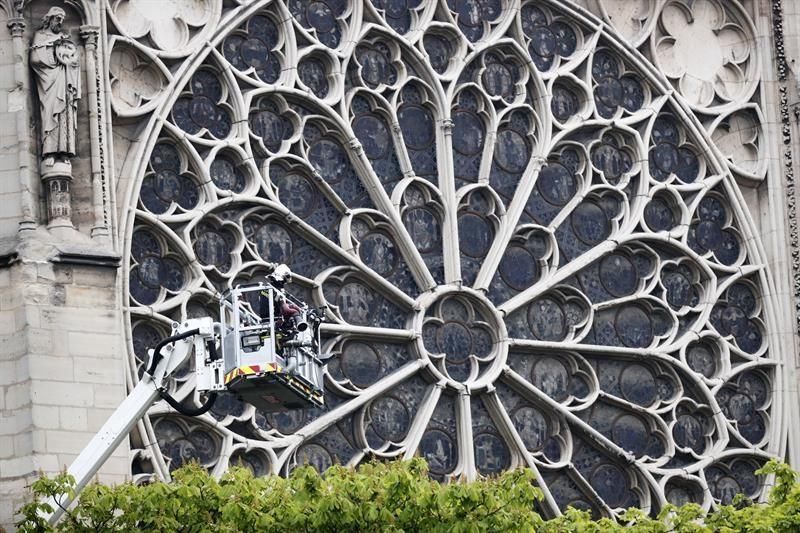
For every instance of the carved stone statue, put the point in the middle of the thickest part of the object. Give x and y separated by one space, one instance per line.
54 59
55 63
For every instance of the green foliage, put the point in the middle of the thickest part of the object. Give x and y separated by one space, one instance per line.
378 497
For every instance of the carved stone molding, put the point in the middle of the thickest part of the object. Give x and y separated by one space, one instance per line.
788 158
16 26
94 76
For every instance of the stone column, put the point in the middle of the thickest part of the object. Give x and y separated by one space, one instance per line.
90 35
18 102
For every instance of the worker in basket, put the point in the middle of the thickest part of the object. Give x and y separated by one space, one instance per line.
288 315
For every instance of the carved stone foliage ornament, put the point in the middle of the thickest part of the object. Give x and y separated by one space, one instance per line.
527 252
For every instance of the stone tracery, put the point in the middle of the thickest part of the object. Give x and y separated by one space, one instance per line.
605 269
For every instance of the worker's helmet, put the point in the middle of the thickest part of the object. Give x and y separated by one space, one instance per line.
281 275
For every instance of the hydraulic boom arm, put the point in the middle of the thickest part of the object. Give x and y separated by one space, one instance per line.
192 333
268 358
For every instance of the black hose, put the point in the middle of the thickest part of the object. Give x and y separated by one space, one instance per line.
157 350
185 409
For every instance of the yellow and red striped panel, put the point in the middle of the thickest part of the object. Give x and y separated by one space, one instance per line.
249 370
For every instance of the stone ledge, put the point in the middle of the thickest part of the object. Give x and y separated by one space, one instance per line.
88 259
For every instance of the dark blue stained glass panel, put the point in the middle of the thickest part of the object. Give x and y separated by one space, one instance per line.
424 226
614 276
518 268
181 444
608 478
418 125
634 382
275 243
144 243
730 477
469 136
227 175
361 305
591 223
628 430
397 13
227 404
634 327
587 226
679 287
743 401
360 363
365 363
498 79
611 160
213 248
531 421
680 492
565 102
389 417
380 252
335 445
547 41
313 73
253 48
492 455
729 318
321 16
629 325
200 109
665 130
475 237
552 377
702 358
618 275
567 493
140 287
374 66
547 319
660 214
439 444
330 159
165 157
471 15
270 127
301 195
614 89
556 185
512 152
439 51
374 133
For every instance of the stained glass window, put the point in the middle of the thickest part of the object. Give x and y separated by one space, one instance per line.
526 255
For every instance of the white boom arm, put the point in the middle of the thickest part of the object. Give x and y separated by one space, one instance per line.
134 407
252 367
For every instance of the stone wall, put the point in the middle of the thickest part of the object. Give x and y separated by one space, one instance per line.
62 364
10 210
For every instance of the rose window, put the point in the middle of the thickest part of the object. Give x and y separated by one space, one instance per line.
526 253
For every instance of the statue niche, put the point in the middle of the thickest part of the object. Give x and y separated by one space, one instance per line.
55 63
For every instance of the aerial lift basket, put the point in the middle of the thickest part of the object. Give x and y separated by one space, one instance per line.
270 361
